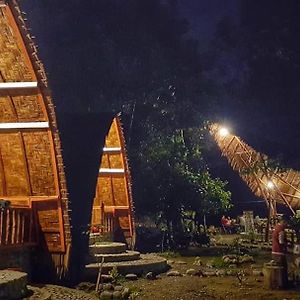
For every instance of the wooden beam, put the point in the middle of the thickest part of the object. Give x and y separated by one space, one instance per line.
24 125
18 85
111 171
111 149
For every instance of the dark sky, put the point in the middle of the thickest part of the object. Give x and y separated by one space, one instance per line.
262 126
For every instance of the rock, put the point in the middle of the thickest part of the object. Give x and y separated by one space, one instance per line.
191 272
226 260
209 273
126 293
117 295
119 288
174 273
170 262
180 262
198 261
86 286
150 276
221 272
13 284
108 287
106 278
131 277
106 295
297 262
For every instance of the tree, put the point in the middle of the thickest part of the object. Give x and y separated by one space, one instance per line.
176 183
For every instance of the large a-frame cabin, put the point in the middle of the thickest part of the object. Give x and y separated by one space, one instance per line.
46 194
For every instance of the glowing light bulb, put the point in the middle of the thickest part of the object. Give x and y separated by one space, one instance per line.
223 131
270 184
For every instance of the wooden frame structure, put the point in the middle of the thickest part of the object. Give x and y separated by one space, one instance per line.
31 169
272 185
112 206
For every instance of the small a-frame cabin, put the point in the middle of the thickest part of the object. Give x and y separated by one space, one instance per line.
112 207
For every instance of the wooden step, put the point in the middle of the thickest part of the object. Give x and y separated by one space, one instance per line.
107 248
146 263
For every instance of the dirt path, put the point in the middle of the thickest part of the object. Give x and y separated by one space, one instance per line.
190 288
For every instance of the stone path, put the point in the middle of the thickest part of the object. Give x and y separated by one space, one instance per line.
54 292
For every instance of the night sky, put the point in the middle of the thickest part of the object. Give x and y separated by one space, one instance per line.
255 65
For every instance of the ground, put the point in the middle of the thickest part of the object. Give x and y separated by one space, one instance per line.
188 287
195 287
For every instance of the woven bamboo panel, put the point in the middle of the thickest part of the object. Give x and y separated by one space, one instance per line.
28 108
119 189
104 161
14 165
105 192
124 222
20 108
116 161
7 113
38 153
112 160
12 60
49 225
113 139
96 216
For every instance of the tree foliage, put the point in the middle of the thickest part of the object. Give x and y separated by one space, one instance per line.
135 56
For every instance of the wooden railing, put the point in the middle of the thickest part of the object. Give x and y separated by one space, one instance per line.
15 226
108 223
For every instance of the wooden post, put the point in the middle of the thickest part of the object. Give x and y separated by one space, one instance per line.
268 223
273 276
99 275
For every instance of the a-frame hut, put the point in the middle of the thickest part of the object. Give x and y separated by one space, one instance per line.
112 206
31 169
49 182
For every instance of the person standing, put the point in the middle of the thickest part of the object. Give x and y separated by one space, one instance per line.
279 247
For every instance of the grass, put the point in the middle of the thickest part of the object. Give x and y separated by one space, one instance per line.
170 254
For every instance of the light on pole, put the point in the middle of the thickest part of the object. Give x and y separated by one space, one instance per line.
223 131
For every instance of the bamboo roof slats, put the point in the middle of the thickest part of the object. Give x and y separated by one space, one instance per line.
249 164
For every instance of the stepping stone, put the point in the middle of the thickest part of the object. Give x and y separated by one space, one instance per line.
191 272
174 273
131 277
146 263
13 284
